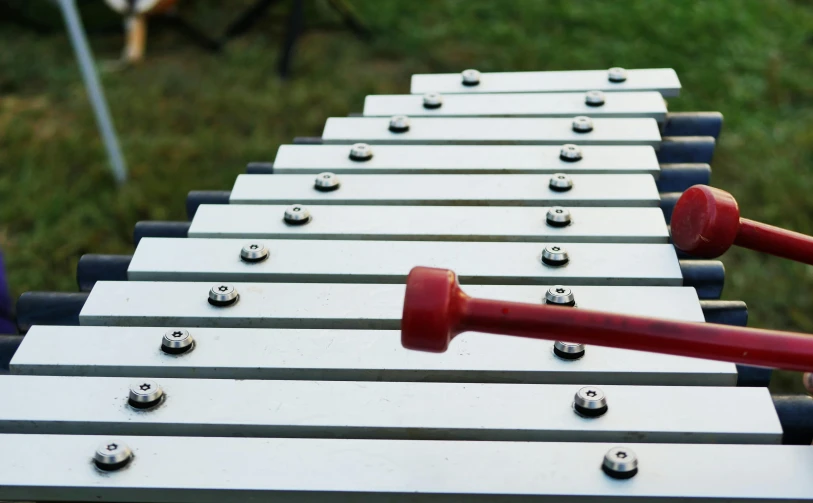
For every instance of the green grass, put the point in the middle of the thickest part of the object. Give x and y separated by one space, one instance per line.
191 120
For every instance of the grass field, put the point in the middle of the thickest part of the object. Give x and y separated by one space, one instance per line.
191 120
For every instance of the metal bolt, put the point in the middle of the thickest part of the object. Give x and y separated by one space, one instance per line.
582 124
559 295
616 74
570 153
590 402
254 252
555 255
594 98
470 77
361 152
145 394
558 217
399 124
112 455
620 463
560 182
568 350
177 341
432 100
222 295
297 215
326 182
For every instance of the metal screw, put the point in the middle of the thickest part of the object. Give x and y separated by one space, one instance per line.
582 124
399 124
559 295
222 295
254 252
297 215
361 152
177 341
560 182
620 463
568 350
555 255
145 394
590 402
326 182
570 153
470 77
616 74
594 98
112 455
558 217
432 100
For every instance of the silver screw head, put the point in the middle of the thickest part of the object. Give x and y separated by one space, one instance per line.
145 393
560 295
555 255
616 74
470 77
560 182
254 252
112 455
590 402
594 98
399 124
361 152
570 153
326 182
432 100
297 215
558 217
177 341
568 350
222 295
620 463
582 124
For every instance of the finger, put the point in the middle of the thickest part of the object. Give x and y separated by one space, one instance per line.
808 381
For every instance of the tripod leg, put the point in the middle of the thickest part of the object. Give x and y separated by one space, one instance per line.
291 35
351 19
243 23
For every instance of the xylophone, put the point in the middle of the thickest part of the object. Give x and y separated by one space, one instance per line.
255 352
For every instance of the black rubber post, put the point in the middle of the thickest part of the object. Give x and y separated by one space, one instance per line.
308 140
93 267
679 177
725 312
49 308
705 276
8 346
683 149
693 124
753 377
796 417
159 229
668 202
197 197
260 168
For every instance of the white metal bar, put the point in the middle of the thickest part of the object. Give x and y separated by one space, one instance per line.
345 306
295 261
448 190
212 470
345 355
463 131
387 410
648 105
475 159
662 80
432 223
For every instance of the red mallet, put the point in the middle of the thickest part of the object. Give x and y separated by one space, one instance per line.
706 222
436 310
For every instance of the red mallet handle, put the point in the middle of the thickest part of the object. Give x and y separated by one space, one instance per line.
436 310
706 222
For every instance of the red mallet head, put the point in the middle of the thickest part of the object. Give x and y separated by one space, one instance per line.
705 221
431 309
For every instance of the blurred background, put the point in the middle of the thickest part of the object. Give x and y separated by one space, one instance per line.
189 118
